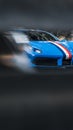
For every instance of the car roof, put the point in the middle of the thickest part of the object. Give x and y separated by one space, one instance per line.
32 30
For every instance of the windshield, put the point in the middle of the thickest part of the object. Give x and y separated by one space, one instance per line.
39 36
26 36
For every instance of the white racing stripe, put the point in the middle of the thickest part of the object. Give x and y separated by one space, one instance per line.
66 51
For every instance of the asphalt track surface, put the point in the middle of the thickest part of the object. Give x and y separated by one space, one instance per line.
7 71
36 101
59 72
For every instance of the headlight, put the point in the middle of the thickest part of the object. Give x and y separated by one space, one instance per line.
37 50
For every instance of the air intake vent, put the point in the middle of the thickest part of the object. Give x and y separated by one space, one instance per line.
45 61
66 62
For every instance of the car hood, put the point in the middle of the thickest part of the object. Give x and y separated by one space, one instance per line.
47 48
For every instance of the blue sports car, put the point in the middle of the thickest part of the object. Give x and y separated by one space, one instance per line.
43 48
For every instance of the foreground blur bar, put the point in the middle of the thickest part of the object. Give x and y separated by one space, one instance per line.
36 101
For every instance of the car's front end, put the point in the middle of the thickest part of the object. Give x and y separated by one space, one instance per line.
46 55
43 49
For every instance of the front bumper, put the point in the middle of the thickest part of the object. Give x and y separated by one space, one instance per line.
42 62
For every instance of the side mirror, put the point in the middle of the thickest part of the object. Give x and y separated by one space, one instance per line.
63 40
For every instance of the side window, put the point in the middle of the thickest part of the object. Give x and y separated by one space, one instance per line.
33 37
48 37
4 48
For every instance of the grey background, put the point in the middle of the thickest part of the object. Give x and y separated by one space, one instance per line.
43 14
